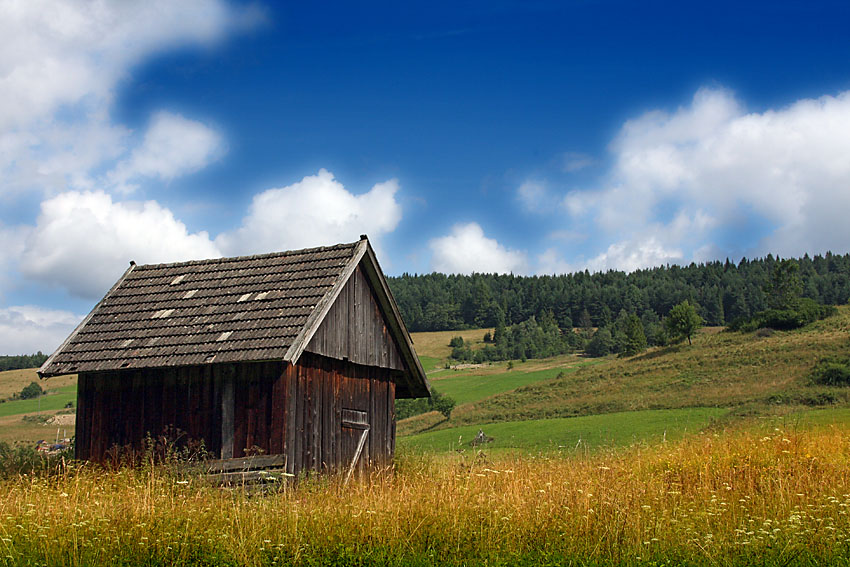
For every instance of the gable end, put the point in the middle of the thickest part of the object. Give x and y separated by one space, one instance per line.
355 328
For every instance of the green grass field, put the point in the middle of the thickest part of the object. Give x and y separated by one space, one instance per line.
13 381
53 400
468 386
430 363
570 435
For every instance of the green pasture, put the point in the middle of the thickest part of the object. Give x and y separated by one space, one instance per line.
53 400
465 387
572 434
430 363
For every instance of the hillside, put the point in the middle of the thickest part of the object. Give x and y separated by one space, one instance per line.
755 374
23 421
723 376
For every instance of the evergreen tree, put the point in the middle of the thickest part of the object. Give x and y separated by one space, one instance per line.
784 288
635 337
601 344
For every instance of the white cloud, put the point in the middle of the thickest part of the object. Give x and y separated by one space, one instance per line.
466 250
83 241
26 329
683 180
551 262
532 195
632 255
66 52
11 246
172 146
57 84
315 211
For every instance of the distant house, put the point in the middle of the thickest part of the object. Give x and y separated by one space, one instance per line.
300 354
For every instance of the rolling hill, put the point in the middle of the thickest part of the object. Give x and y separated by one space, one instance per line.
722 376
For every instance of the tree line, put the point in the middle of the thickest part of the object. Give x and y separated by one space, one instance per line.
16 362
721 292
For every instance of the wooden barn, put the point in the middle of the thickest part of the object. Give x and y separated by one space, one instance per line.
300 354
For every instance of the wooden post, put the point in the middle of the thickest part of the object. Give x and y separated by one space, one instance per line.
227 410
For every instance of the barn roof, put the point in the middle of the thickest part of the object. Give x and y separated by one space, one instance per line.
249 308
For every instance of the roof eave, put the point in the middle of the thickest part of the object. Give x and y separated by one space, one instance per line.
44 371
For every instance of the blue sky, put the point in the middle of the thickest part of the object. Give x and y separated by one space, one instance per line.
525 137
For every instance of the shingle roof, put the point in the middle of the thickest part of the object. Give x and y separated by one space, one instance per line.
203 312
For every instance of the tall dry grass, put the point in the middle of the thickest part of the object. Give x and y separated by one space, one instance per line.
776 498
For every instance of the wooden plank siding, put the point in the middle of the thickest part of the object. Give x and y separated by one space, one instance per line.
321 388
277 409
355 329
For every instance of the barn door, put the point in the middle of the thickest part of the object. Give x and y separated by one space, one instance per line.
355 430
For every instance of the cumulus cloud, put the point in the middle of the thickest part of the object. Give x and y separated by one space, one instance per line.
83 241
316 211
690 181
466 249
26 329
57 83
172 146
66 52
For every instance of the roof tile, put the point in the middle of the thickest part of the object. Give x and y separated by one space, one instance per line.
202 312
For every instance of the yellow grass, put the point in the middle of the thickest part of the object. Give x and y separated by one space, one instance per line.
15 430
13 381
772 497
436 344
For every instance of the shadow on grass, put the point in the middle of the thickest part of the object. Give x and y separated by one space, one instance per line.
664 351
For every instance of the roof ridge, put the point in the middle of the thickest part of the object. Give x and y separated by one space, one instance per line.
223 259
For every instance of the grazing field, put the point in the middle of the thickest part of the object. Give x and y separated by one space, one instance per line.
436 344
13 381
52 400
736 497
22 422
569 436
749 374
470 385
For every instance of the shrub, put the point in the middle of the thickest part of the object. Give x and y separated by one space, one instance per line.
405 408
456 342
442 404
462 354
831 372
31 391
803 312
25 460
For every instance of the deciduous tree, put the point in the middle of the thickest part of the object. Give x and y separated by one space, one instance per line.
683 321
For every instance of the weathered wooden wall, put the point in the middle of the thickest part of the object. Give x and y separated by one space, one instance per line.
277 409
121 408
354 328
319 389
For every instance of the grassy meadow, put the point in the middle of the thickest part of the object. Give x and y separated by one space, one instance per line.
571 435
749 375
719 453
22 421
727 497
